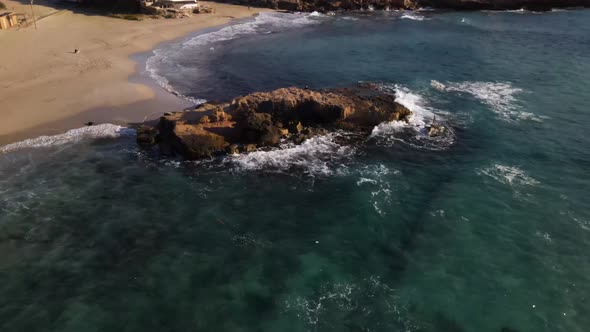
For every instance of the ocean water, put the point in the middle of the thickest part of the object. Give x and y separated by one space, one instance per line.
484 229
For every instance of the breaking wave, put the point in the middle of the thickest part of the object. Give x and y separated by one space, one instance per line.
412 16
162 62
465 21
316 14
416 127
320 155
499 96
523 11
508 175
261 24
72 136
164 83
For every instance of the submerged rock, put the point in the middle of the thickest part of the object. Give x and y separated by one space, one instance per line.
435 129
146 135
262 119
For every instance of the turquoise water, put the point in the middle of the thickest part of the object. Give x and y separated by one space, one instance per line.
485 230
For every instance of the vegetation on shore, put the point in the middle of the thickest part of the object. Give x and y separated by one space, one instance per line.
334 5
130 17
133 7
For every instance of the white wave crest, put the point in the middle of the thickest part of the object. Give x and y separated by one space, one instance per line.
151 68
438 85
72 136
508 175
412 16
422 117
518 11
315 156
415 103
263 24
583 223
349 18
499 96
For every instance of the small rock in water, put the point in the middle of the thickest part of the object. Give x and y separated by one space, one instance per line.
233 149
284 131
90 123
435 130
146 135
438 85
250 147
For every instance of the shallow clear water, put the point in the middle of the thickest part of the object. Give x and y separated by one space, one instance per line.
486 230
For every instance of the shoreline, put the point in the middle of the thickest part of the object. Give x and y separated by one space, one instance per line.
141 76
122 95
104 83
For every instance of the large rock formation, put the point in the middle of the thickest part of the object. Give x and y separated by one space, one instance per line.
262 119
540 5
124 6
334 5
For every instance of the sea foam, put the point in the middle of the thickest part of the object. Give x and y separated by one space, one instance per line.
316 14
509 175
72 136
368 300
377 178
413 16
263 24
499 96
349 18
422 116
421 112
315 156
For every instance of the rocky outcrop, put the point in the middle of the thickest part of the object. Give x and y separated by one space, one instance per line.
537 5
262 119
335 5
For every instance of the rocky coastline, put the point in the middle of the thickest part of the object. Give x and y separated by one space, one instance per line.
264 119
344 5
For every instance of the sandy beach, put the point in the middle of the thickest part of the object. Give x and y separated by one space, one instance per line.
46 89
